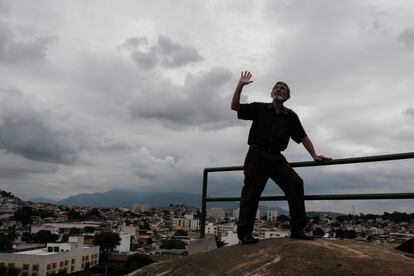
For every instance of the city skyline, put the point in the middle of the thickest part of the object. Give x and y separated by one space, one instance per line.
99 96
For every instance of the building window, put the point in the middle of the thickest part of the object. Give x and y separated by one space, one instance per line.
72 268
34 273
11 265
61 263
87 257
73 261
48 266
25 267
25 274
50 249
35 267
54 265
56 249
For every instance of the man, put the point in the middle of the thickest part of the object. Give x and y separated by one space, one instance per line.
273 125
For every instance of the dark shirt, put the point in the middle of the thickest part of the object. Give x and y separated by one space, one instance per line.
271 129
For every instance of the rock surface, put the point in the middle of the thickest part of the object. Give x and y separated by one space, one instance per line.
289 257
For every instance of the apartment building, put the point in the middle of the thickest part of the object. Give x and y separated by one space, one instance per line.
66 257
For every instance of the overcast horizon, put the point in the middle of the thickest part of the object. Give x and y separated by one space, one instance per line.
103 95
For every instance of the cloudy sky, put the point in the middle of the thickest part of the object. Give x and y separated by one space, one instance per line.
97 95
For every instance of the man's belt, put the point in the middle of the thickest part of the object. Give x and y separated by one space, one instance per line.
269 149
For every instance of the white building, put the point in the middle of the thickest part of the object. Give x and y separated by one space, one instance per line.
210 229
236 213
271 215
57 228
376 231
186 223
220 229
216 213
230 239
56 257
125 243
140 207
133 230
267 234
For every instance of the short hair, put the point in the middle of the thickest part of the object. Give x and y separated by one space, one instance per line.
287 86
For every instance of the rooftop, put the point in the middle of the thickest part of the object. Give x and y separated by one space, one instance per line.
289 257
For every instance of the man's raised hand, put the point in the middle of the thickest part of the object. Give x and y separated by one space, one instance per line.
245 78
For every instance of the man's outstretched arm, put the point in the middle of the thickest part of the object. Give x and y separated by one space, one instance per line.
307 143
244 80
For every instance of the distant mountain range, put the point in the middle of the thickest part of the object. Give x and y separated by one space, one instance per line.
126 198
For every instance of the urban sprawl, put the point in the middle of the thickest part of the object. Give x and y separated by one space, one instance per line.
46 239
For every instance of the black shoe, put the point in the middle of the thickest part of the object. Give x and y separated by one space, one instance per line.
248 239
300 235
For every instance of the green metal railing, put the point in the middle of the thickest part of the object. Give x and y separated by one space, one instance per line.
377 158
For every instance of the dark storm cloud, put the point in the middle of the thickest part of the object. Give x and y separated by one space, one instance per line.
13 166
35 132
202 101
166 53
146 60
14 49
133 43
176 55
409 111
407 37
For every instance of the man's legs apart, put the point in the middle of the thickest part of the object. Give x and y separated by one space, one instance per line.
256 176
292 185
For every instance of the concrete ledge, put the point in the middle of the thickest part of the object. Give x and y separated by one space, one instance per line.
289 257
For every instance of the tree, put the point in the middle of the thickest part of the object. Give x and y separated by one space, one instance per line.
94 213
44 236
74 215
107 241
219 242
180 233
43 213
137 261
282 218
318 232
24 215
285 226
89 229
75 231
339 233
145 226
27 237
315 219
172 244
6 194
350 234
6 241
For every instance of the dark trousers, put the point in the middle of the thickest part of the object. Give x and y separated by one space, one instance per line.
259 166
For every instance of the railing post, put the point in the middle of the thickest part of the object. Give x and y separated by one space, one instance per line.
203 206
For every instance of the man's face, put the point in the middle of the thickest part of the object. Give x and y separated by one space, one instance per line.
280 92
